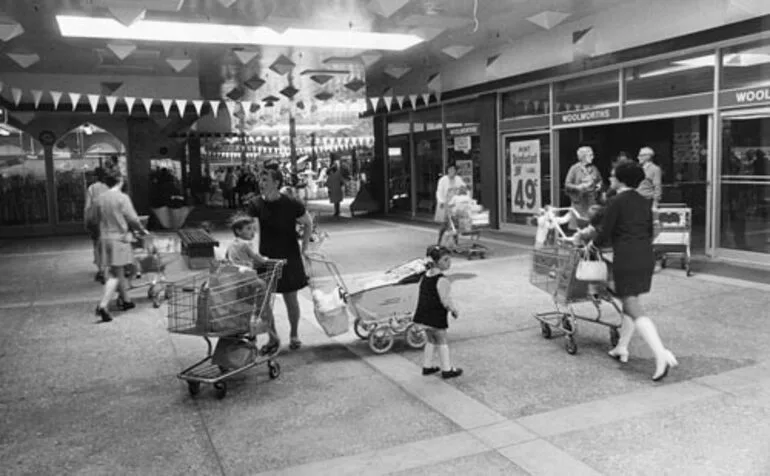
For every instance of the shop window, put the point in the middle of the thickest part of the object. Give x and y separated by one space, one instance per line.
463 143
670 78
746 66
527 166
598 90
399 175
526 102
76 156
745 184
429 158
23 190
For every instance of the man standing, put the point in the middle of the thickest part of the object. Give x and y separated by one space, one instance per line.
651 187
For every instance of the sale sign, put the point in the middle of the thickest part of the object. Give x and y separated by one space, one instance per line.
525 176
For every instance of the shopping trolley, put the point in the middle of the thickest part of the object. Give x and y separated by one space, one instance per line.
554 262
152 255
673 225
232 308
466 223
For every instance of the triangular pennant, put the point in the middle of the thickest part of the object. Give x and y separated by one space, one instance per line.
179 64
215 107
167 105
109 88
548 19
413 100
36 95
425 98
74 98
129 103
127 15
245 106
388 102
580 34
147 104
10 29
245 56
492 59
400 101
25 60
56 96
181 104
121 50
198 104
438 96
111 101
94 100
17 93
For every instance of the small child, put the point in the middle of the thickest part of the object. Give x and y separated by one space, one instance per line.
240 252
433 305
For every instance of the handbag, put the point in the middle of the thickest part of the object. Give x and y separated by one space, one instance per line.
591 267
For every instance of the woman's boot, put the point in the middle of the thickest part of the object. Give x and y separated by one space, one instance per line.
664 359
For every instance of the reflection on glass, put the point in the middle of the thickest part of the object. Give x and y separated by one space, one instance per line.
525 193
670 78
526 102
598 90
428 164
23 193
399 176
76 155
745 190
746 66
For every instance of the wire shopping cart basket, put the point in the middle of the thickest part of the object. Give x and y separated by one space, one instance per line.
554 266
233 304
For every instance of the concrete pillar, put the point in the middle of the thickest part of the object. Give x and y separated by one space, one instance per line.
487 108
378 178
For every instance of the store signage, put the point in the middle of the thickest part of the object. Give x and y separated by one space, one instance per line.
465 171
462 144
525 176
592 115
748 96
464 131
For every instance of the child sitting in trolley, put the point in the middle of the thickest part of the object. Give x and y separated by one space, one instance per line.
241 252
433 305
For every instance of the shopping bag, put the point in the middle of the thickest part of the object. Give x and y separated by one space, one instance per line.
331 312
233 353
591 267
232 294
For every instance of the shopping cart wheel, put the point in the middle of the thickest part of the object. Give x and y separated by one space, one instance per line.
194 388
274 369
570 345
545 330
221 389
415 336
381 340
614 336
361 331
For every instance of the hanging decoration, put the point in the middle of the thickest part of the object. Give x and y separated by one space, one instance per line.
74 98
93 99
56 96
111 101
37 94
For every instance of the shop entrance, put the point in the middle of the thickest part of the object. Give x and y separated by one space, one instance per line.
681 151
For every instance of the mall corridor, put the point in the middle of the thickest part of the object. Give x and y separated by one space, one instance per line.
83 397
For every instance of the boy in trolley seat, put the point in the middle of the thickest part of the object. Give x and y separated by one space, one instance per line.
241 252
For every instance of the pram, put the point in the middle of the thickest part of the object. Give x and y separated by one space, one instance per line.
382 307
466 219
228 304
152 255
554 262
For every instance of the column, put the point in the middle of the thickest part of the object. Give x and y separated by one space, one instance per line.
488 156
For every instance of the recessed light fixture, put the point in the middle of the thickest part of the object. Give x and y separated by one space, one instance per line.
184 32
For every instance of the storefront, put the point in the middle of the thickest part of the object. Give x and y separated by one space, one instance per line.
705 112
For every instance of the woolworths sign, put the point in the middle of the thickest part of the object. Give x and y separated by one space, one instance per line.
745 97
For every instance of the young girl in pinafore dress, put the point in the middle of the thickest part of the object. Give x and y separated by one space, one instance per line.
433 305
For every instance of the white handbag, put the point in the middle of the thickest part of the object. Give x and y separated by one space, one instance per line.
591 267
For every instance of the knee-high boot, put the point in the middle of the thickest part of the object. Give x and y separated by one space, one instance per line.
664 359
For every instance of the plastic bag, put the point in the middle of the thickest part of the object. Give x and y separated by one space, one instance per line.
331 312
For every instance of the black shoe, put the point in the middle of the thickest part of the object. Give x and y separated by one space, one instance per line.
452 373
126 305
430 370
99 277
103 313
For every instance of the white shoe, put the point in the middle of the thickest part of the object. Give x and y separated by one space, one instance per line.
620 354
662 366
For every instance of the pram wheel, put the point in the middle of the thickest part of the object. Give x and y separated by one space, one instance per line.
154 296
381 340
415 336
194 388
570 345
221 389
360 329
274 369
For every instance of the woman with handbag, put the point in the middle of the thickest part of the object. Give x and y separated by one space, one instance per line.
628 226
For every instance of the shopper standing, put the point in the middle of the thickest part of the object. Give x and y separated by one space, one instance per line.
651 187
583 182
91 220
447 187
335 183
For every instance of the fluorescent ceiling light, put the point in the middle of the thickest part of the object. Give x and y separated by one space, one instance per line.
183 32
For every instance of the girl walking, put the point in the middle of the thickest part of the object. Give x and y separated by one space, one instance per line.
433 305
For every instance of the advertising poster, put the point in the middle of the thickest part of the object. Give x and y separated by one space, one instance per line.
525 176
465 172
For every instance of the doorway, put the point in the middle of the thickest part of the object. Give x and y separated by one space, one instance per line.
681 151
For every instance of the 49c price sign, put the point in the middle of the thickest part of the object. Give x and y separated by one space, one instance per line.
525 176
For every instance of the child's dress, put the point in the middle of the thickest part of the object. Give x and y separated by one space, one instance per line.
430 310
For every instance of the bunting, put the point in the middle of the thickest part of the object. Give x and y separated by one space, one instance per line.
147 104
17 93
74 98
111 101
166 106
198 104
181 104
56 96
94 100
37 94
129 103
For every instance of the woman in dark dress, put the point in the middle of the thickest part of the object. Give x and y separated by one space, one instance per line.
627 226
278 216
